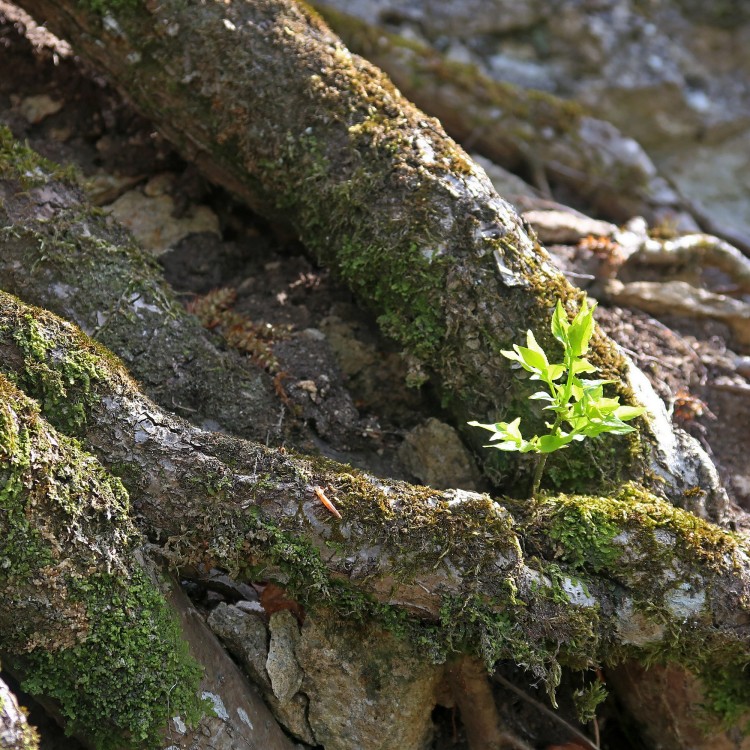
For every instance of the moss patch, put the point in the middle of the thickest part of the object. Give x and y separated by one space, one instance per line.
122 683
62 381
79 617
19 162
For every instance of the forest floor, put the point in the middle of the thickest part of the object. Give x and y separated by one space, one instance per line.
334 371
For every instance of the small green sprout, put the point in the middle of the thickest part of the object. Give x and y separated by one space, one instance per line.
580 407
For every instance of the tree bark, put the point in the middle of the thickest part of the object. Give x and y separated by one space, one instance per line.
376 190
579 580
535 132
15 732
380 194
61 254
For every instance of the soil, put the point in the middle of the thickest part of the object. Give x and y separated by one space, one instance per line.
341 377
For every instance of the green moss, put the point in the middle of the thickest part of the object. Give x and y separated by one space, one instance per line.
584 533
79 617
588 699
61 382
404 287
726 688
131 674
22 548
19 162
586 530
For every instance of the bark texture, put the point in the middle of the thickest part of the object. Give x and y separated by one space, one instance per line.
584 579
550 138
61 254
15 732
378 192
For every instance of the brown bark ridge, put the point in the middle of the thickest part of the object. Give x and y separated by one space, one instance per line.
380 194
581 580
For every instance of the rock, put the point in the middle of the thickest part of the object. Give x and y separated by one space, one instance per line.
103 189
37 108
352 355
742 366
281 663
672 75
246 637
388 690
376 378
508 185
256 645
152 222
306 676
566 227
667 702
433 452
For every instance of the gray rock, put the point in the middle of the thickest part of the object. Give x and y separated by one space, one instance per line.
267 654
281 663
246 637
367 689
433 452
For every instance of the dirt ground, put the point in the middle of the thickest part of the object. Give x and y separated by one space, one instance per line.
340 376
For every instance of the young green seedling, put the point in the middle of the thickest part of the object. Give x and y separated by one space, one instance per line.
580 407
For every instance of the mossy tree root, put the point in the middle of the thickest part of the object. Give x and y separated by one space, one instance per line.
91 272
377 191
579 581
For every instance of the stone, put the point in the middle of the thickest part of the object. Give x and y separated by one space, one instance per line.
152 220
671 75
281 663
433 452
37 108
388 690
245 635
261 648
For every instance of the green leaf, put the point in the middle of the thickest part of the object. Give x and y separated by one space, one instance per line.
508 445
626 413
550 443
579 404
532 361
532 344
490 427
581 329
602 405
582 365
541 396
560 324
514 428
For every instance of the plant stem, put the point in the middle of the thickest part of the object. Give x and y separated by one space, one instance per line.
542 459
538 471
